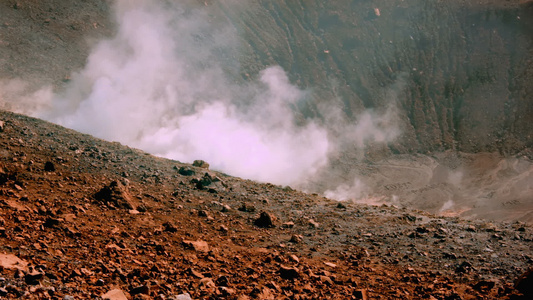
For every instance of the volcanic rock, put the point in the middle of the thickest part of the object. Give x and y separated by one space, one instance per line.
195 273
289 272
186 171
49 166
246 207
296 238
226 291
142 289
484 286
524 284
341 205
361 294
326 280
33 277
263 294
223 228
170 227
265 220
52 222
314 223
201 164
116 195
222 281
115 294
199 246
85 249
289 224
207 283
185 296
10 261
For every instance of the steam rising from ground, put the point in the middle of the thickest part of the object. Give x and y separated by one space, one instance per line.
169 83
159 85
165 84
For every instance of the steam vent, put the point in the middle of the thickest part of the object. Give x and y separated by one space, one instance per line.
266 149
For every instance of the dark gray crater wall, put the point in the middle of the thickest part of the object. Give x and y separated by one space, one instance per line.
461 71
466 68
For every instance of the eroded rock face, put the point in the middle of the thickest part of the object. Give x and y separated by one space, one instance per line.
459 72
57 242
445 65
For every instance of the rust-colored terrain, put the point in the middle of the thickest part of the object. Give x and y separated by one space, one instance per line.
84 217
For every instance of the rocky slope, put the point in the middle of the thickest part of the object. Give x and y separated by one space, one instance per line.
452 79
83 218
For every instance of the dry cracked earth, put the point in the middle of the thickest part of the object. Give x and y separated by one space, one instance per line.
82 218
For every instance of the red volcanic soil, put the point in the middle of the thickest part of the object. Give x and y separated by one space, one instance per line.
81 218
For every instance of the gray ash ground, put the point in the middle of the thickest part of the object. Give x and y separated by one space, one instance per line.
162 229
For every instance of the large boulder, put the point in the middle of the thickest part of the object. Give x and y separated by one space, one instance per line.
115 195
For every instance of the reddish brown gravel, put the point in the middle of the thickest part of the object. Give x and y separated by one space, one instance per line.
81 218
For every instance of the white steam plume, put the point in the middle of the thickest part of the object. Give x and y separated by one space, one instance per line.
345 192
370 128
20 96
158 85
164 84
